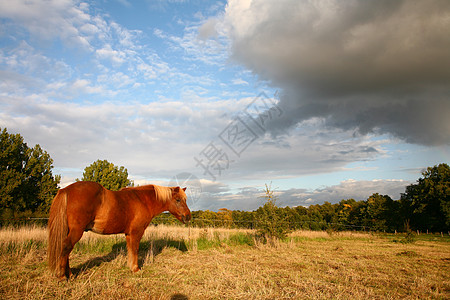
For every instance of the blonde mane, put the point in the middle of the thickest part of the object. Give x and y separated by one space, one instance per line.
163 193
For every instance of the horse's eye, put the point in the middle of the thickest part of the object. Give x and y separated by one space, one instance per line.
178 200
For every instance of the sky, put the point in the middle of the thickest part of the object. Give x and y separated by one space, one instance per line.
322 100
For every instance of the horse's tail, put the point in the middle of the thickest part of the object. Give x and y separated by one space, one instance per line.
57 229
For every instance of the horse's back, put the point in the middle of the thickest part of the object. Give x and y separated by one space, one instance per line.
84 198
83 186
84 193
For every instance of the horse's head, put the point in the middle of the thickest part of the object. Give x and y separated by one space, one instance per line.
178 206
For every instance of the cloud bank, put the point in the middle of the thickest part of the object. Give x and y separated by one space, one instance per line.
250 198
81 82
370 66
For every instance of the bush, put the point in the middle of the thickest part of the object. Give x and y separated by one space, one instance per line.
271 222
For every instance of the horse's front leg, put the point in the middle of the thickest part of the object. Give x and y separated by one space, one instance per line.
133 240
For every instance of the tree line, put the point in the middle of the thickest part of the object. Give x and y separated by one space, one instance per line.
424 206
27 187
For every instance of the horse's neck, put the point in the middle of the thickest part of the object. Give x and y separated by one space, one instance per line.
154 205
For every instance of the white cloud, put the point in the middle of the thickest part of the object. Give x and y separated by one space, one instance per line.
311 149
161 139
50 19
125 3
104 50
239 81
194 47
251 198
356 189
27 60
116 57
208 29
84 86
118 79
154 139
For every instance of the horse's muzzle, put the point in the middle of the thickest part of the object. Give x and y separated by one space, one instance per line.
186 218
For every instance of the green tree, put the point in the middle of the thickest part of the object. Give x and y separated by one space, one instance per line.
26 179
378 212
225 217
427 203
243 219
344 212
315 218
271 220
205 218
328 211
107 174
301 218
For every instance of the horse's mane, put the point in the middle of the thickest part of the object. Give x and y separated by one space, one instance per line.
163 193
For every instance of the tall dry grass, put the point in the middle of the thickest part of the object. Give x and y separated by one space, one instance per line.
22 238
309 265
330 234
22 234
192 233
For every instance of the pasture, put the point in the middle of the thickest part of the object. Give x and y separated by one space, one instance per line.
183 263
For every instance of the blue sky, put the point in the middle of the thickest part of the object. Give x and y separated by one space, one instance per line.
328 100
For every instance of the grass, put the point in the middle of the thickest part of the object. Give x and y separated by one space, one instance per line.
183 263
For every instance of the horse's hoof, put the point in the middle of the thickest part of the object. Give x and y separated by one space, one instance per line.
62 278
68 274
135 269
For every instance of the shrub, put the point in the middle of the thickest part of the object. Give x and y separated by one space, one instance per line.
271 222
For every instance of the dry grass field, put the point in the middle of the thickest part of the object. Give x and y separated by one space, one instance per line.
183 263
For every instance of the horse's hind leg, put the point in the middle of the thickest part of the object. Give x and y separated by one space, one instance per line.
74 236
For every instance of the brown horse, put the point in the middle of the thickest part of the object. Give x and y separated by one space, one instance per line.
85 206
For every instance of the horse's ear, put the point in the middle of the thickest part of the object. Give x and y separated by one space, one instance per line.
184 189
177 189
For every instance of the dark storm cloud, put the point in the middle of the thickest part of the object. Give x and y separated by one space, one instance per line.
373 66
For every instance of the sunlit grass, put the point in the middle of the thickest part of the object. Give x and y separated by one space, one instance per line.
229 264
